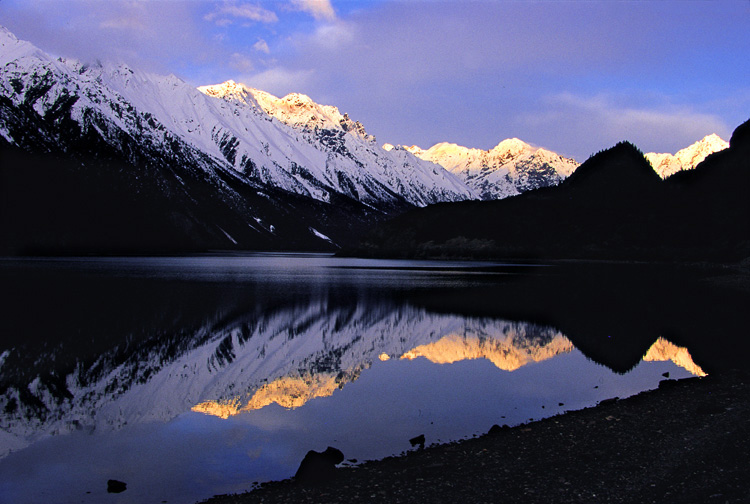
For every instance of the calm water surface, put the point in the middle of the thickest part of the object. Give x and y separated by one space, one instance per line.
194 376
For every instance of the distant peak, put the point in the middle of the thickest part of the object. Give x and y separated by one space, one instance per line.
225 87
712 143
713 137
688 158
447 146
12 48
512 144
229 90
298 99
7 34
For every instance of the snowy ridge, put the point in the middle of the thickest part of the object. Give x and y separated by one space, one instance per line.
290 143
510 168
687 158
226 126
324 148
109 100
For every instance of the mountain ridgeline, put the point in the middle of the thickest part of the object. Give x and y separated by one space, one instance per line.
614 206
100 158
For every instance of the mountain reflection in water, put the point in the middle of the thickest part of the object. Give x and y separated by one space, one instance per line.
93 347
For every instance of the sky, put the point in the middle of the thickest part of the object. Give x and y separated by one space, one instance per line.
574 77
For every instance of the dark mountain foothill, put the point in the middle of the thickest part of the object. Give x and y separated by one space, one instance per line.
100 203
614 206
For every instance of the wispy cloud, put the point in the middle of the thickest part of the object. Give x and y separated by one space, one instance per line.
241 63
148 35
280 81
331 37
262 46
319 9
228 13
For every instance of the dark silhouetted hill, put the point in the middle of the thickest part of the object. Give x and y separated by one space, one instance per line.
613 207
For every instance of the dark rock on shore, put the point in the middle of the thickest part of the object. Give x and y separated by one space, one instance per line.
319 467
115 486
417 441
685 443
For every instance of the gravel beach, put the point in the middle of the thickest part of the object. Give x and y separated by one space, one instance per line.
686 442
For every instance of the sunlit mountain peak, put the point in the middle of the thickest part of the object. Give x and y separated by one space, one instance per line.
511 167
300 111
666 164
511 147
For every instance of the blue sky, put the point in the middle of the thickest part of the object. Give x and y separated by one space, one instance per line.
571 76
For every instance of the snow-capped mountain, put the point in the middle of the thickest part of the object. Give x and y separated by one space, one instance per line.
220 167
510 168
687 158
316 150
289 143
105 158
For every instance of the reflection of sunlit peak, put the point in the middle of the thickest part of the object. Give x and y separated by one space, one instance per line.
664 350
219 409
502 352
384 357
289 391
293 391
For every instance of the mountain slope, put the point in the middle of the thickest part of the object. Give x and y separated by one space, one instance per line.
100 158
510 168
91 186
316 150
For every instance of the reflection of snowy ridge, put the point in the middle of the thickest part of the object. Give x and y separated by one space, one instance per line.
286 357
509 352
288 391
508 345
663 350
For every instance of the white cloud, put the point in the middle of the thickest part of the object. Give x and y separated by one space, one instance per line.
147 35
321 10
332 36
228 12
241 63
262 46
134 23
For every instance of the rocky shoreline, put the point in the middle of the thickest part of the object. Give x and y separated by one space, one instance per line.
686 442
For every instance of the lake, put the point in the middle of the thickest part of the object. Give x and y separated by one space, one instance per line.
187 377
